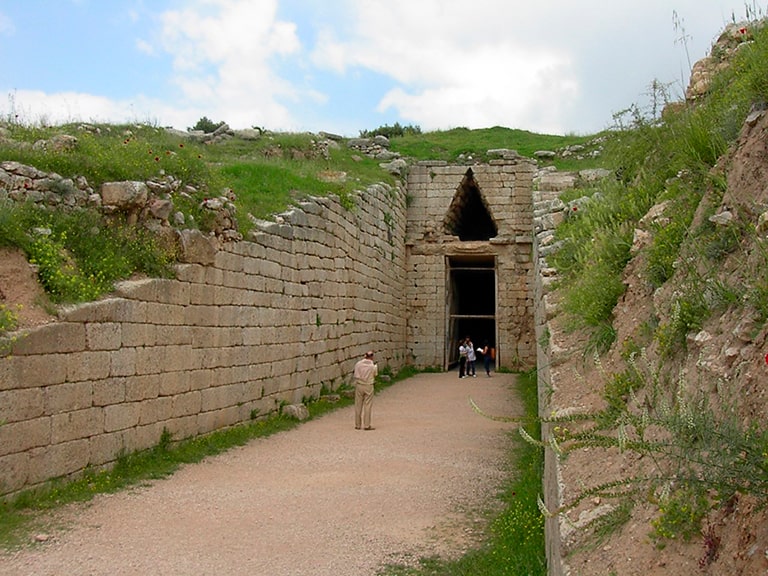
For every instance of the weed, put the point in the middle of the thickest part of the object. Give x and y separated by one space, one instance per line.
601 338
681 512
689 310
544 338
702 457
9 318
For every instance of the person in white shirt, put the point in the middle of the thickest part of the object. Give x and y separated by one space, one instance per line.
462 358
471 357
365 374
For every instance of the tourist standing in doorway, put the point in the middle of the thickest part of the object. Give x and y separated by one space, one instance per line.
487 358
462 358
365 374
471 357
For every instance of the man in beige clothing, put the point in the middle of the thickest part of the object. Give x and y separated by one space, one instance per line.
365 373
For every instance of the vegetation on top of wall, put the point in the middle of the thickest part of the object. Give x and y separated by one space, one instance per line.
393 131
79 255
265 176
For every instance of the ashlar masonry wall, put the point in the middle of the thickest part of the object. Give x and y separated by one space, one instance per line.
259 323
505 186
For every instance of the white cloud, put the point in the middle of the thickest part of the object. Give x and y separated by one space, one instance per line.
7 27
544 65
145 47
547 65
39 108
455 65
223 52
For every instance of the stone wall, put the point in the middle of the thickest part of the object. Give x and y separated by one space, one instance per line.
265 322
505 185
549 212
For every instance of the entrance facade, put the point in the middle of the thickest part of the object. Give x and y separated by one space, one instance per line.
469 261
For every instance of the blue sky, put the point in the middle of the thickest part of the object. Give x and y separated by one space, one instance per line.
552 66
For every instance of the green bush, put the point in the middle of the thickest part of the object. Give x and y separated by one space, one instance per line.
681 513
689 311
8 319
207 125
79 256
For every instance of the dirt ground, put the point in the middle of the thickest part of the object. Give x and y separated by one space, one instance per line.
20 292
321 499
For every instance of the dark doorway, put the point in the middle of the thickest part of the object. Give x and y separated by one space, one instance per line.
471 302
468 216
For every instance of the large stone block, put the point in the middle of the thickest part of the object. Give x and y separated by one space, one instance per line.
123 362
22 404
155 410
14 472
121 416
103 336
105 448
57 460
143 437
159 359
174 383
107 310
142 387
184 427
57 338
20 436
186 404
218 419
76 425
109 391
82 366
174 335
221 397
136 335
68 397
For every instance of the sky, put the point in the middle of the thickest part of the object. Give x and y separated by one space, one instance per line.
342 66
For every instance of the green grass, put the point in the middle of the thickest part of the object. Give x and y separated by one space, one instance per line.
79 255
449 145
515 542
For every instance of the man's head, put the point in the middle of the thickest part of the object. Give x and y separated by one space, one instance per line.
369 355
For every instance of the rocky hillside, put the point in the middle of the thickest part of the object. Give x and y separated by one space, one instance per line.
680 395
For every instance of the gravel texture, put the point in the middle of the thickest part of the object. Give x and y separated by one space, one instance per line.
321 499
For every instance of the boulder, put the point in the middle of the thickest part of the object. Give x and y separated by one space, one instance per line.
197 248
124 195
296 411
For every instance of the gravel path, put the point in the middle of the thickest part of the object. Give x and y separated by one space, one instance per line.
321 499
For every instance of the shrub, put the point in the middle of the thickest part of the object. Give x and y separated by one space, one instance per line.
8 319
391 131
79 255
207 125
689 311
